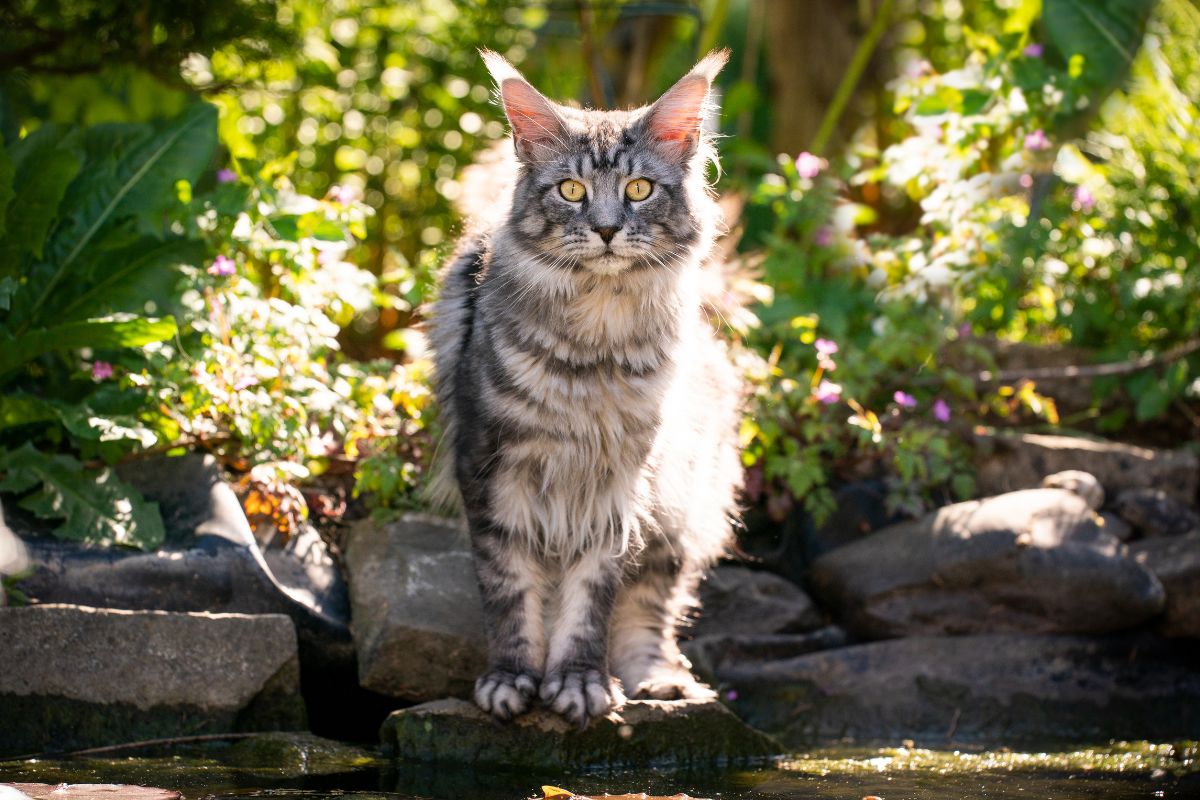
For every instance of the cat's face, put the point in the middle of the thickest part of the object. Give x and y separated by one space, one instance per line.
608 191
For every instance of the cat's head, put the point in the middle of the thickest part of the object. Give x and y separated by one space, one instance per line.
610 191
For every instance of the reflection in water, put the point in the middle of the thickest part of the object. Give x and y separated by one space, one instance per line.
1118 772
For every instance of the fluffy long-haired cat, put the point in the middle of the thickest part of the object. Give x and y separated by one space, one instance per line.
590 412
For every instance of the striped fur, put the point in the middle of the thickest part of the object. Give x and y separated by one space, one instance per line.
590 411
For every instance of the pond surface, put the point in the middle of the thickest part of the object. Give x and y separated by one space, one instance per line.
1113 772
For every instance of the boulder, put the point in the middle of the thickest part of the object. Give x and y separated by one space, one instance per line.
81 677
1176 562
998 689
85 791
209 562
1035 561
643 732
738 600
418 619
731 658
1153 512
1010 461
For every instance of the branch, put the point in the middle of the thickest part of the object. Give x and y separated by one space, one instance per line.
1092 370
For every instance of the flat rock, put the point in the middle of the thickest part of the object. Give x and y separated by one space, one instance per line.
81 677
643 733
89 791
1036 561
1009 461
728 658
1153 512
998 689
1176 562
738 600
417 616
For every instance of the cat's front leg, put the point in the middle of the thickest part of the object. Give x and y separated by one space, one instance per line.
577 684
512 585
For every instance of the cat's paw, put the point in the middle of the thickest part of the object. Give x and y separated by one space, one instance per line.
672 684
505 694
581 695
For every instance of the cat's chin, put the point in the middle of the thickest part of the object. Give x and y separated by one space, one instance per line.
608 264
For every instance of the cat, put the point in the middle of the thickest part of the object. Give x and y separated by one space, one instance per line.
590 412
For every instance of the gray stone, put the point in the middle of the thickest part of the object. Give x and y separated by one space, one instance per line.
1081 483
1011 461
1176 562
643 733
738 600
733 658
1153 512
85 791
998 689
79 677
210 562
1034 561
418 620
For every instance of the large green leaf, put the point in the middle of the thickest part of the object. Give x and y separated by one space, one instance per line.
125 279
44 166
95 506
103 333
129 171
1106 33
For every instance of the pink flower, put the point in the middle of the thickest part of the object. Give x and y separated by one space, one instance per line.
1084 199
823 237
226 176
1037 140
825 347
102 370
904 399
941 411
828 392
808 165
343 194
1026 181
964 330
731 695
222 267
1034 50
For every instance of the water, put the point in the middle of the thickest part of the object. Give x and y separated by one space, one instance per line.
1115 772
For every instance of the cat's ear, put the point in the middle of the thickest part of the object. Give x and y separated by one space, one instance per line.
539 133
674 122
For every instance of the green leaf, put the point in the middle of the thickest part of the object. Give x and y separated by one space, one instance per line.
103 333
8 287
44 167
1106 33
6 184
126 278
95 507
22 409
1152 402
130 170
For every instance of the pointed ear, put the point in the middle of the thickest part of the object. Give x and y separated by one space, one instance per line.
539 133
674 121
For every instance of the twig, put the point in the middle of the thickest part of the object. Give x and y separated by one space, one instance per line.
112 748
589 52
1091 370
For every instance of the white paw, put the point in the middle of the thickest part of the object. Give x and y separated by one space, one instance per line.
505 694
580 695
672 684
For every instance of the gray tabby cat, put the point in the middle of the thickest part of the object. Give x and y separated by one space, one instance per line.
591 414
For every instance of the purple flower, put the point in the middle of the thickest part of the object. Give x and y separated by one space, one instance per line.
222 267
828 392
823 237
808 165
1037 140
226 176
1034 50
343 194
1084 199
941 411
964 330
731 695
102 370
904 399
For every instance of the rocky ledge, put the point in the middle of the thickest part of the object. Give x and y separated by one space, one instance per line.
642 733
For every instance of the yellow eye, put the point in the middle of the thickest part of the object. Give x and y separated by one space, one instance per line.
572 190
638 189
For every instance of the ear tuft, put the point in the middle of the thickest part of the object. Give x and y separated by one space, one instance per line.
709 66
538 131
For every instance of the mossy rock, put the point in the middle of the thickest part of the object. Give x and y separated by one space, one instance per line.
297 754
686 733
